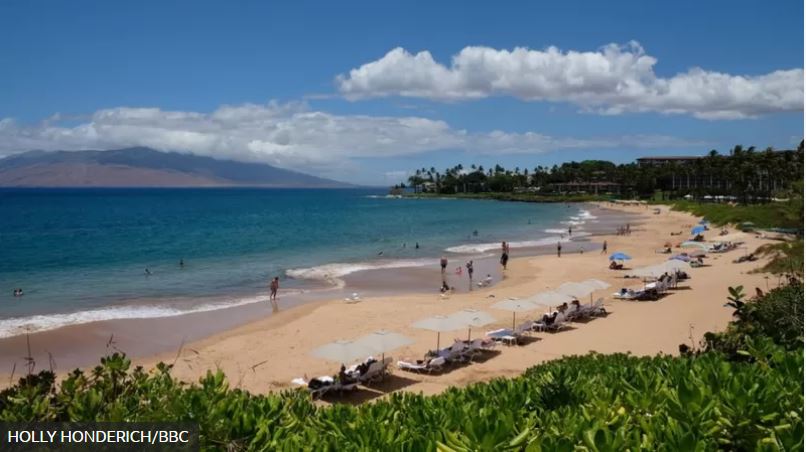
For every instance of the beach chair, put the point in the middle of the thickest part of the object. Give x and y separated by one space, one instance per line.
420 366
377 372
628 295
319 386
559 324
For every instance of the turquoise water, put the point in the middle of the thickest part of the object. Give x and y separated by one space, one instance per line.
81 255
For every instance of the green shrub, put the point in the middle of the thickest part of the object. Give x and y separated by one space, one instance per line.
593 402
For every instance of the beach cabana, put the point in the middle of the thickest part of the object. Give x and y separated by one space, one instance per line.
619 256
342 351
514 306
472 318
440 324
383 341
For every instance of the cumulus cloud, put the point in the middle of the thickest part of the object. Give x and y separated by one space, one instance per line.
288 135
612 80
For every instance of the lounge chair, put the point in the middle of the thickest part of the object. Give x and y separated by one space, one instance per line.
509 336
320 386
628 294
427 366
376 372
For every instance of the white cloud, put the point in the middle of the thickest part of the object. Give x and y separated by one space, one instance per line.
289 135
612 80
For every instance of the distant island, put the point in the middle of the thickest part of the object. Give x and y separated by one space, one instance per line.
145 167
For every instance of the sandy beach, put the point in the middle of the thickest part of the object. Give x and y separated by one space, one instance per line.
267 354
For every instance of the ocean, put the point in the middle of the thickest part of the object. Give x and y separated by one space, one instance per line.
81 255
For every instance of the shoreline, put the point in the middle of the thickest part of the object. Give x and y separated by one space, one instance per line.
266 353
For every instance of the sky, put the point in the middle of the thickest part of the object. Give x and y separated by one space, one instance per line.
369 91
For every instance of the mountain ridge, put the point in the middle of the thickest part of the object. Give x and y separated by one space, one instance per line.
146 167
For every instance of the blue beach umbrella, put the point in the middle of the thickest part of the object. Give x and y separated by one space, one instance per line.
619 257
697 229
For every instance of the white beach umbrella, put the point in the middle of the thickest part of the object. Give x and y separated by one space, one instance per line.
690 244
342 351
674 265
697 253
732 237
440 324
473 317
384 341
550 298
597 284
644 272
575 289
515 306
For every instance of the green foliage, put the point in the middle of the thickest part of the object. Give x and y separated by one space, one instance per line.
593 402
786 258
777 315
776 214
746 175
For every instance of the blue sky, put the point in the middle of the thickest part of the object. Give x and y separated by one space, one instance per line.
156 73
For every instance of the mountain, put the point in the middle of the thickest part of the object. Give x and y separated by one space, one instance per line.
145 167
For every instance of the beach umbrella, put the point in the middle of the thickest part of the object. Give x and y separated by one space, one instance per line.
515 305
473 318
733 237
690 244
697 230
697 253
651 271
384 341
575 289
596 283
550 298
675 265
440 324
619 256
680 257
342 351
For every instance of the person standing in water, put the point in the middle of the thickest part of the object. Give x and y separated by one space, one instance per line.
181 263
559 249
569 231
148 272
443 263
274 286
469 266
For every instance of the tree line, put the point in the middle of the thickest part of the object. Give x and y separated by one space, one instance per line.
744 173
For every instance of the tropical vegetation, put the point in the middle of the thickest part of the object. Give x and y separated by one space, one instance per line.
743 390
744 174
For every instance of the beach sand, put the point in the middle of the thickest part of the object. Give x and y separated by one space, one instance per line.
266 354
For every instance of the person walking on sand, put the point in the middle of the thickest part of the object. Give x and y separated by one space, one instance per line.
504 254
604 247
443 263
469 266
559 249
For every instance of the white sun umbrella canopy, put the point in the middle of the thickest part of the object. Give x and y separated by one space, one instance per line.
473 318
440 324
651 271
575 289
597 284
550 298
384 341
697 253
515 305
674 265
342 351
